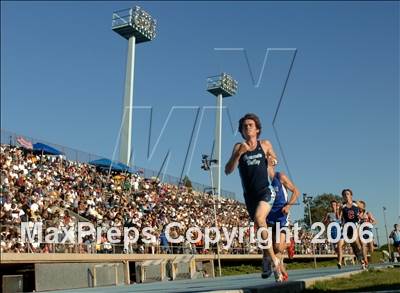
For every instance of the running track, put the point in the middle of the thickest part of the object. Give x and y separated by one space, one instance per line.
223 283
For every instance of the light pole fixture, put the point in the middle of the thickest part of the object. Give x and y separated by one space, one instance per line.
221 86
307 201
207 166
377 237
137 26
387 234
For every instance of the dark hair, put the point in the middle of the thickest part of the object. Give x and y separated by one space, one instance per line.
347 189
334 200
253 117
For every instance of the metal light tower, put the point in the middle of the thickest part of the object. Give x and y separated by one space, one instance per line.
307 201
387 234
221 86
207 166
377 237
137 26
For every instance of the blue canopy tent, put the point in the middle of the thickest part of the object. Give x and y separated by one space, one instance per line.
45 149
106 164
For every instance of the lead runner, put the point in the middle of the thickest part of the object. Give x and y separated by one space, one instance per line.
251 156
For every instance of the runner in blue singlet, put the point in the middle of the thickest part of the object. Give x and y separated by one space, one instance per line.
251 158
350 214
280 214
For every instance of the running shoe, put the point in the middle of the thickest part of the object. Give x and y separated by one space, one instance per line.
267 268
339 266
364 266
285 277
277 271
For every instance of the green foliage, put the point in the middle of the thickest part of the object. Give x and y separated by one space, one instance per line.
371 280
239 270
319 206
385 247
310 264
229 270
187 182
376 257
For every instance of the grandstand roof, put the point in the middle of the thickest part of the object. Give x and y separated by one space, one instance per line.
46 149
106 164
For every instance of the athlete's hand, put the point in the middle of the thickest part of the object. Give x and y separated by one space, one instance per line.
244 147
285 209
272 161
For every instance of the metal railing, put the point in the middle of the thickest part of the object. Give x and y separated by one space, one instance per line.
91 246
156 249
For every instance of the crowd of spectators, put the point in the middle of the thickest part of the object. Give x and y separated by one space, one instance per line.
55 192
304 246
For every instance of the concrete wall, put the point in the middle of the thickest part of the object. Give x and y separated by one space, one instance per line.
101 258
12 284
148 272
77 275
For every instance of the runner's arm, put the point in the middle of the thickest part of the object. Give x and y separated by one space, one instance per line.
325 219
371 218
290 186
269 151
234 160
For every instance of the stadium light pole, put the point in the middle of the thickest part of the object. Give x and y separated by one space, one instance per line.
137 26
377 237
387 234
221 86
207 166
306 201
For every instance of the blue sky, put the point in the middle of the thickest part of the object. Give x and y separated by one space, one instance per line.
63 68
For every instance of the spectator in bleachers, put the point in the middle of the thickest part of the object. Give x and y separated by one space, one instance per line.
59 193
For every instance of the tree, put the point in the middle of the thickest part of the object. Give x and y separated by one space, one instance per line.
187 182
319 206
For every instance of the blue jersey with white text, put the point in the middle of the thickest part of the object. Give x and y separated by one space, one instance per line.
253 173
351 214
276 215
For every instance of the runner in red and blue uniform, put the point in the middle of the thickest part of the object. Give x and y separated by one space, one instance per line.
350 214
